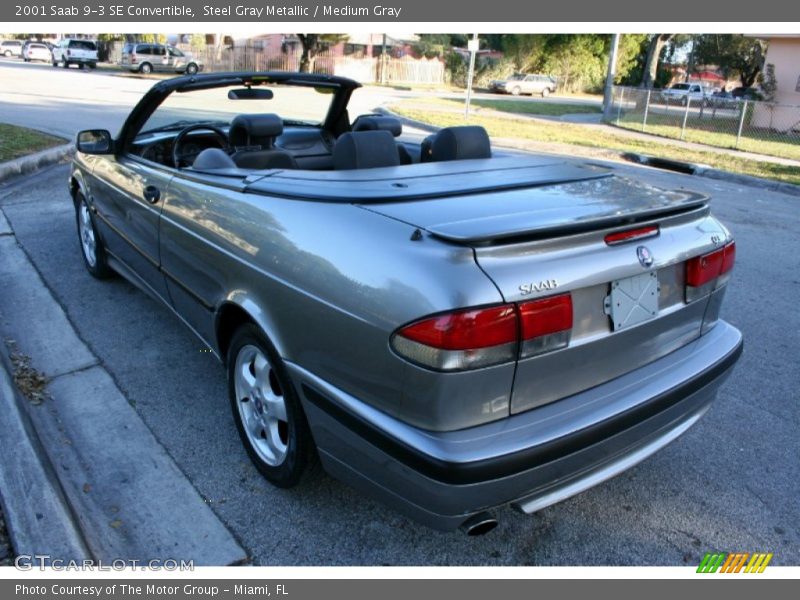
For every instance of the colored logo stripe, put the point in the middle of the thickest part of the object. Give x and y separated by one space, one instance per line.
734 562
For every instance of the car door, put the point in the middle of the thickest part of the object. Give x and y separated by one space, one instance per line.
160 58
529 84
173 58
204 227
127 197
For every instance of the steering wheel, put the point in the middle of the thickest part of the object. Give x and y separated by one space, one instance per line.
181 158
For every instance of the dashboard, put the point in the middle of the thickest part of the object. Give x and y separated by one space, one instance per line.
310 146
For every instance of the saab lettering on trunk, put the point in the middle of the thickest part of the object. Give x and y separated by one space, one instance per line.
542 286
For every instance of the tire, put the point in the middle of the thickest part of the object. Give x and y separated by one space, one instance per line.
145 68
92 249
545 92
92 66
266 409
7 53
684 101
191 69
55 63
515 91
65 64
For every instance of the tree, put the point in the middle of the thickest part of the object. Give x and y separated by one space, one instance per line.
735 55
312 44
654 49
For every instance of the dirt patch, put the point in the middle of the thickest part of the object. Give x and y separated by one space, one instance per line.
31 383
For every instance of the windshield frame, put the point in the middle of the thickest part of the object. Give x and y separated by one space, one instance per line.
335 121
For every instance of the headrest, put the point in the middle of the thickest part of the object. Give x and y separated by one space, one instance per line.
248 129
365 150
455 143
213 158
375 122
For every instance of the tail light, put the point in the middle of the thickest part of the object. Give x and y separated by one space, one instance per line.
475 338
546 325
630 235
708 272
461 340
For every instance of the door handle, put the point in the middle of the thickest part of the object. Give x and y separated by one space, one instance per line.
152 194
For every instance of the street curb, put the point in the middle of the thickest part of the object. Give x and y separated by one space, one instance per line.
37 515
32 162
687 168
127 496
712 173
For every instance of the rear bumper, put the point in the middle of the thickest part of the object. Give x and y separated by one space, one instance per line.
533 459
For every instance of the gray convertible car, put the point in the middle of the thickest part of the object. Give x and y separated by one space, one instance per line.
446 327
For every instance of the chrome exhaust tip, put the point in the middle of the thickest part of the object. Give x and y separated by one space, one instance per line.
479 524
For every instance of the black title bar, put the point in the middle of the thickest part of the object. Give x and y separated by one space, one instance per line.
396 11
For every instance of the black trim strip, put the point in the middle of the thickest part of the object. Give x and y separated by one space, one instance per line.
196 297
484 470
128 241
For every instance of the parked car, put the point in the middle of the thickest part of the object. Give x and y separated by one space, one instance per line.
9 48
683 92
524 84
746 93
36 51
470 329
147 58
71 51
723 99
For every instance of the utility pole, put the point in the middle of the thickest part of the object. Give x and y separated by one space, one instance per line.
472 45
383 60
608 92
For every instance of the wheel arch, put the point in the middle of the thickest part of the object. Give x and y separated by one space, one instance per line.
77 184
236 310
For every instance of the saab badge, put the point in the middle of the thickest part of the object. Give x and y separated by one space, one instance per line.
645 256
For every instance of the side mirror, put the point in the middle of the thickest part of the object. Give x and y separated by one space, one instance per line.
94 141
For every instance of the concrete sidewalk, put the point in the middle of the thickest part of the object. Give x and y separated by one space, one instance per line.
88 478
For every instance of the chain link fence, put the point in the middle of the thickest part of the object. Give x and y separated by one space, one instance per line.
761 127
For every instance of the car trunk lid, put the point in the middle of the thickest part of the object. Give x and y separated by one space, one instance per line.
585 239
539 212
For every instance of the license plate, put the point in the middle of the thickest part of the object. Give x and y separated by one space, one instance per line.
633 300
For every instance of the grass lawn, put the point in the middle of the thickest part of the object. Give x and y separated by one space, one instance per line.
19 141
526 107
594 137
719 132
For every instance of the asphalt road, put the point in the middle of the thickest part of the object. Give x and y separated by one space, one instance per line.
64 101
732 483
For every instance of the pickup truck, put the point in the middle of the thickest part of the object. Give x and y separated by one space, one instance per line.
683 92
444 326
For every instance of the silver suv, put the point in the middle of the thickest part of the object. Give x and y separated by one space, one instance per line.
147 58
11 48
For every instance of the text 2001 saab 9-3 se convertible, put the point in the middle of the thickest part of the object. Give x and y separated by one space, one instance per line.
444 327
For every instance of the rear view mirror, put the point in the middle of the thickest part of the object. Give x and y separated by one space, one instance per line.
250 94
94 141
